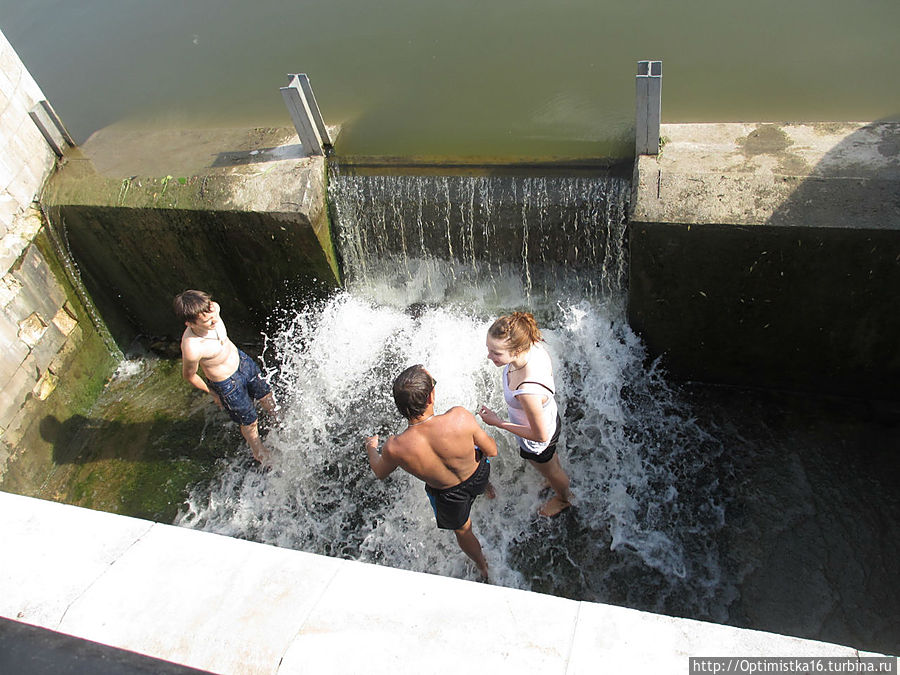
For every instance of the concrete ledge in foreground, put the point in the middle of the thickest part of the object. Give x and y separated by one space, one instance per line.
230 606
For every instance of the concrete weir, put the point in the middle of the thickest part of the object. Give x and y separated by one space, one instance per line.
238 212
769 255
230 606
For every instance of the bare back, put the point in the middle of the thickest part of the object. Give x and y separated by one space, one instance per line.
441 450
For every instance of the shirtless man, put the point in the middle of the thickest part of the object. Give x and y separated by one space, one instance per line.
449 452
234 380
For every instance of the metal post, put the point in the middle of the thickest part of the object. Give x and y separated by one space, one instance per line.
302 116
649 107
314 109
47 121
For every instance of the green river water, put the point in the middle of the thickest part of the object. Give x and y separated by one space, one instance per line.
506 79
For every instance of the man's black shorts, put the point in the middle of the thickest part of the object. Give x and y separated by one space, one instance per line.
452 505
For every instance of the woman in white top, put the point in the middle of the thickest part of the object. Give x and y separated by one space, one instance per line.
514 341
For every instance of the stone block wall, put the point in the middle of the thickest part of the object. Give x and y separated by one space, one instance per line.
25 157
39 326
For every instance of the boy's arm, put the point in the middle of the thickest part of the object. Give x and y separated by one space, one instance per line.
190 363
385 463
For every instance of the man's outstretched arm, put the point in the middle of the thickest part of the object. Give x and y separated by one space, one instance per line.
382 465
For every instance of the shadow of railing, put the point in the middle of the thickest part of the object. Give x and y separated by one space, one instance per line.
259 155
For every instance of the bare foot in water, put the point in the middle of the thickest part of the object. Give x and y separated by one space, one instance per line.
490 492
554 506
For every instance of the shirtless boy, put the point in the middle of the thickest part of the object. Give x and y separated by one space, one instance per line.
449 452
234 380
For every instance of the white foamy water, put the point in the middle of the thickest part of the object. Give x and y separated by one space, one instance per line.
625 441
644 529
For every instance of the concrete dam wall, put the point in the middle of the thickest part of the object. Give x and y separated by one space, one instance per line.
759 255
769 255
249 224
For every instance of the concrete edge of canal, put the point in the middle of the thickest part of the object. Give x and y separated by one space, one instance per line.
231 606
768 255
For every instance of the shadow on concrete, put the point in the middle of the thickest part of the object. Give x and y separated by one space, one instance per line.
259 155
29 650
64 435
853 187
80 439
836 267
143 469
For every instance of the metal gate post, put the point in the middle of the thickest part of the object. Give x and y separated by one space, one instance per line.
649 107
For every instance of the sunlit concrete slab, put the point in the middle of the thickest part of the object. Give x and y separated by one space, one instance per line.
824 174
203 600
230 606
399 621
633 641
53 553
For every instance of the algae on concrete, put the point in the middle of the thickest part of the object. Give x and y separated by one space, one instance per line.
81 370
146 440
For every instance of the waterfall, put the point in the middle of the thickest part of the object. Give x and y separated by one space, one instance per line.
430 261
501 240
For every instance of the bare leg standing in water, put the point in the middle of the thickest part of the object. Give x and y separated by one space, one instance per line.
470 545
559 481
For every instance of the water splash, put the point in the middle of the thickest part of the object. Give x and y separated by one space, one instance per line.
645 526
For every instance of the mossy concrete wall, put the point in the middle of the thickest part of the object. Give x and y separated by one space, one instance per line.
243 218
769 255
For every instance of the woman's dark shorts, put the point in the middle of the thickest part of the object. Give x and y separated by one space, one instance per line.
547 453
452 505
239 391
